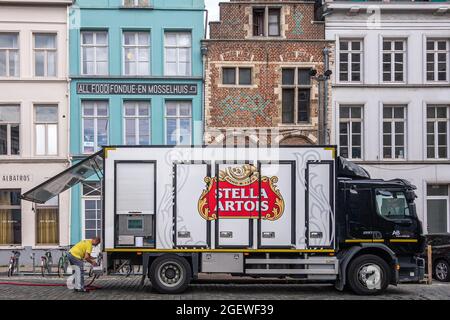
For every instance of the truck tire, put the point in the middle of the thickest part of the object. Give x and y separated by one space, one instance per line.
442 271
368 275
170 274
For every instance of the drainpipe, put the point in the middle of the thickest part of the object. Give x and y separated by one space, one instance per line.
326 56
204 51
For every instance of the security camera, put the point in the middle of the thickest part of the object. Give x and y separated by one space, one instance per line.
312 72
328 73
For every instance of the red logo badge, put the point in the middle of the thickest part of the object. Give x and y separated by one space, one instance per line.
240 195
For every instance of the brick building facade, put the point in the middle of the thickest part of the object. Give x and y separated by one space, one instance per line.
257 66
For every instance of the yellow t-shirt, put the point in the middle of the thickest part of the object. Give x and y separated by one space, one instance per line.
81 248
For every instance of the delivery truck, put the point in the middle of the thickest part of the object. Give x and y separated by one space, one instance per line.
295 212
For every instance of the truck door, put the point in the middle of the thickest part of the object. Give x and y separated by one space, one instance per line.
276 223
395 219
359 207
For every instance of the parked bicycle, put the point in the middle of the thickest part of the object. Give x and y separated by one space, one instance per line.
63 263
126 268
46 263
14 263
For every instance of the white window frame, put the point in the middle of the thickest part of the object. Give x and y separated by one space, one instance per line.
177 47
8 52
178 117
349 122
95 117
447 198
436 133
136 119
85 198
48 206
46 52
297 87
266 21
393 133
349 53
136 3
436 52
9 124
46 126
136 48
95 45
392 51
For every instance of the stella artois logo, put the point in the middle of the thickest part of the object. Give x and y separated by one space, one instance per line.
241 194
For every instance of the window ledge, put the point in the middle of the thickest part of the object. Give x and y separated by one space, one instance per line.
149 7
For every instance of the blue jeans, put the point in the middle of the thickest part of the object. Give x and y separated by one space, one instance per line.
79 271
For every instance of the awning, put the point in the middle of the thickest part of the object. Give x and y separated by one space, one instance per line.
66 179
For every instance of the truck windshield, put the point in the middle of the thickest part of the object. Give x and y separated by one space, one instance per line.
392 204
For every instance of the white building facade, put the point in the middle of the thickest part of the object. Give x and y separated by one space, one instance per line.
34 120
391 95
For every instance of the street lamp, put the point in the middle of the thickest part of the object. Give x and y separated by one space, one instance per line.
323 110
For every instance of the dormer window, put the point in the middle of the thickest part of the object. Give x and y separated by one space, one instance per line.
136 3
266 22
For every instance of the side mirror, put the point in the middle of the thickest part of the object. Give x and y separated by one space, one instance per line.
410 195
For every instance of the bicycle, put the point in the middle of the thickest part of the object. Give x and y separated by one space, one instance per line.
99 260
13 263
46 263
63 263
126 268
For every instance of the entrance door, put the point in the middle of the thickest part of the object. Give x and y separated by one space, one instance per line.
277 203
438 209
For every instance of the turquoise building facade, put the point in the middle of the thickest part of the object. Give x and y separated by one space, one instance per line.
136 79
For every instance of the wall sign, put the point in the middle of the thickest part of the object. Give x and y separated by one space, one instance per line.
137 88
16 177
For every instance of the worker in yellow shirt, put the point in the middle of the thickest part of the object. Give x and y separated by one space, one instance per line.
77 255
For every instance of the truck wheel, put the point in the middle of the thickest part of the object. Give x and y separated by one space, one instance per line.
170 274
368 275
442 271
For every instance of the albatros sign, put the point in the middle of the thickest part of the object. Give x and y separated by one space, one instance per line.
137 88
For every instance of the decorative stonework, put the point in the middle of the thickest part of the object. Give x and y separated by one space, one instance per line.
252 104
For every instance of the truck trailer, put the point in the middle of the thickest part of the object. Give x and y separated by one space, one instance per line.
297 212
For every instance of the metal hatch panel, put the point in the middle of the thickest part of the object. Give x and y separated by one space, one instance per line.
66 179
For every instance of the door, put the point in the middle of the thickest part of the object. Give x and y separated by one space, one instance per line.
359 213
320 204
277 204
191 229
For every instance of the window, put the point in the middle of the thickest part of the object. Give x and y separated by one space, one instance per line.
9 130
437 132
46 128
137 122
179 122
266 22
92 209
237 76
9 55
437 60
296 88
45 55
392 204
47 225
437 209
95 125
10 217
350 131
94 52
136 3
136 53
394 123
350 60
394 60
177 53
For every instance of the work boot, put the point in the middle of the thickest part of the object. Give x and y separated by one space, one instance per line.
81 290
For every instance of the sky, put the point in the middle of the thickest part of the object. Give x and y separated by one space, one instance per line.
213 9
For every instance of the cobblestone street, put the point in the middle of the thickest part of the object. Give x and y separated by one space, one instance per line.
120 288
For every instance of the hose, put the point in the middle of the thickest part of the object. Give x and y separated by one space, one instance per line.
89 287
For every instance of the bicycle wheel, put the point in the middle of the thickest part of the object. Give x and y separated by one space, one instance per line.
125 269
61 270
10 270
43 267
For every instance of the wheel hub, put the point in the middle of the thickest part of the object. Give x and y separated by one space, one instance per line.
170 274
369 275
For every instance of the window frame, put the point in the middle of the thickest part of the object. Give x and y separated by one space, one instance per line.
349 52
435 197
297 87
95 46
178 47
266 23
136 4
95 117
46 126
87 197
237 76
8 51
349 121
136 48
435 62
392 52
178 118
9 125
14 207
46 52
47 206
136 119
436 122
411 215
392 120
